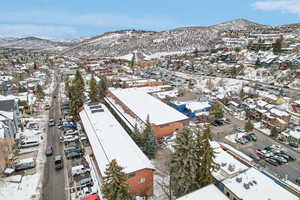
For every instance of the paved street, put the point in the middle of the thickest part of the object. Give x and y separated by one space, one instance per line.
54 180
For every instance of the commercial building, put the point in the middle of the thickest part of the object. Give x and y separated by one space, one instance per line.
109 141
140 105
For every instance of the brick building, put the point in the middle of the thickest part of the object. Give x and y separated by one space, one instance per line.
140 105
109 141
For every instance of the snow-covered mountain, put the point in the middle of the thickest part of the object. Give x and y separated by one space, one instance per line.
33 43
125 42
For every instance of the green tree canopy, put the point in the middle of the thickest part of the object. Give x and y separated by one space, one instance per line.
114 183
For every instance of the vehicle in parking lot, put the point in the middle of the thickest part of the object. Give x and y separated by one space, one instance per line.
73 149
69 138
294 145
272 161
73 155
92 197
86 182
79 169
279 159
58 162
254 156
241 140
252 136
49 151
297 180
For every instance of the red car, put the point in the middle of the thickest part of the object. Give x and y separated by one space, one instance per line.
92 197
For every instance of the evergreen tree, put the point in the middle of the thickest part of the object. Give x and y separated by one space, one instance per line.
274 132
114 183
77 97
150 143
137 136
79 78
206 155
40 92
184 164
102 87
93 93
249 126
217 111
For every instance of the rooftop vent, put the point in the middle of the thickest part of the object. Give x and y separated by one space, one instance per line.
254 182
93 103
95 107
97 110
231 168
239 180
246 186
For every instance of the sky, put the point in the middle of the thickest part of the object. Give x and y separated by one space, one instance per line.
81 18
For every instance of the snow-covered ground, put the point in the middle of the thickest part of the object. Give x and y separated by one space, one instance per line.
232 137
24 190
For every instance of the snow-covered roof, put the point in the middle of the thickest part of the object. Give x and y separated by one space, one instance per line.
278 112
261 103
198 106
295 133
207 192
143 104
227 162
110 141
253 184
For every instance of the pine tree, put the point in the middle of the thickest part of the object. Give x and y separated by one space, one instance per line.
102 87
77 97
137 136
274 132
114 183
278 45
206 155
184 164
217 111
94 92
249 126
150 143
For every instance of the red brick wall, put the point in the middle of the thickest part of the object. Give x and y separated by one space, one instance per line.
166 130
145 188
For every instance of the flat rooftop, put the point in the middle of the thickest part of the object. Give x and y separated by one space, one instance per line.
110 141
252 184
143 104
207 192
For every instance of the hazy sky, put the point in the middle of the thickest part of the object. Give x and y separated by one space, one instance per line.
76 18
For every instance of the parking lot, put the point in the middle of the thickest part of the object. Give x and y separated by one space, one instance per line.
290 170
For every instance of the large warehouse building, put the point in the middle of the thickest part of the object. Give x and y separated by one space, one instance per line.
137 103
109 141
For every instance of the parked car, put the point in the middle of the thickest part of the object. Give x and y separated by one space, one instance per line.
297 180
279 159
272 161
49 151
253 136
86 182
73 155
79 169
73 149
254 156
294 145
